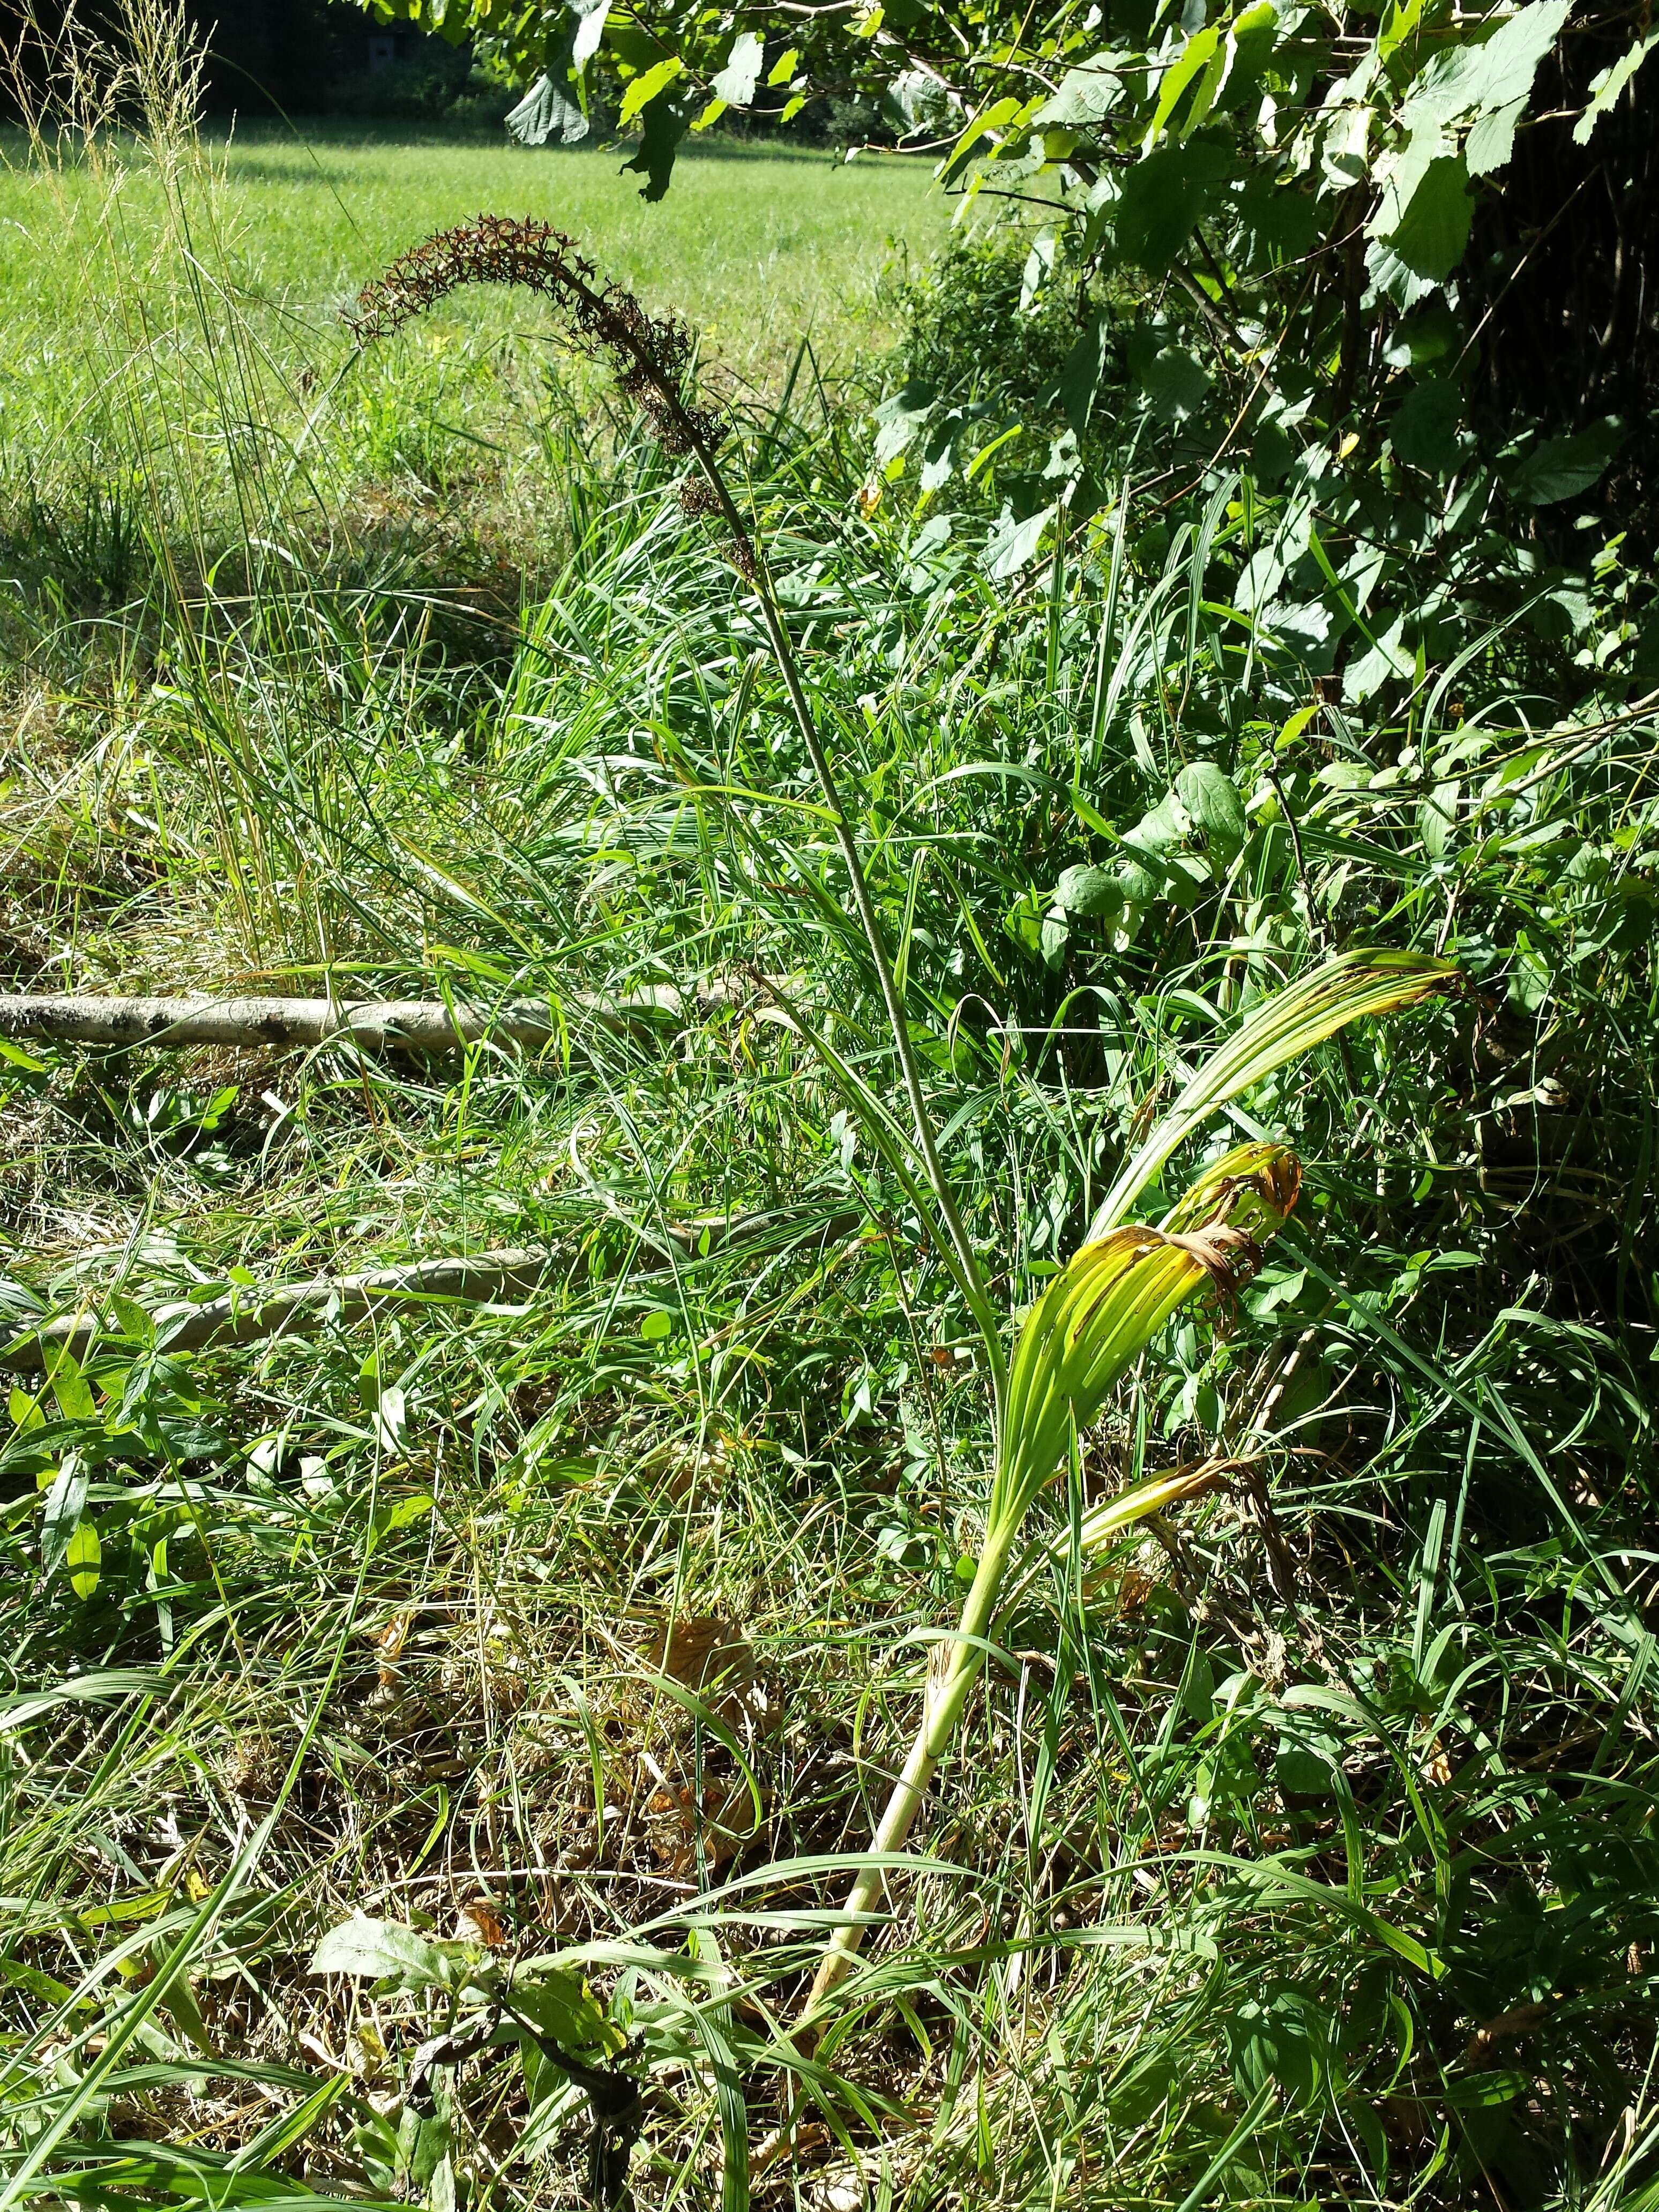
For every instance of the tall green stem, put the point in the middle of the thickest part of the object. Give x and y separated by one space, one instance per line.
948 1684
753 561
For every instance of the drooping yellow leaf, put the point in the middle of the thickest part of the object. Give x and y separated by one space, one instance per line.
1112 1297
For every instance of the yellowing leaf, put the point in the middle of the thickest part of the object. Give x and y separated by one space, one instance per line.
1290 1023
1109 1301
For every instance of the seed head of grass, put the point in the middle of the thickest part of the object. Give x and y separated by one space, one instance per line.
651 354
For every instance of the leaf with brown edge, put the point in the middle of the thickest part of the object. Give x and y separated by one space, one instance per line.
1109 1301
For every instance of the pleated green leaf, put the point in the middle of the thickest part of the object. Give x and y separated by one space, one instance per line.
1347 989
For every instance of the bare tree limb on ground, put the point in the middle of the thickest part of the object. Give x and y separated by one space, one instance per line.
243 1315
387 1024
384 1025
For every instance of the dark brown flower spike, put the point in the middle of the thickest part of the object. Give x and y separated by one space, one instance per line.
650 354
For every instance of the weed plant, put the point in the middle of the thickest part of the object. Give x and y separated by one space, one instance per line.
1299 1852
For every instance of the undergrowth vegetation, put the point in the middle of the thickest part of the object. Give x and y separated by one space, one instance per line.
548 1663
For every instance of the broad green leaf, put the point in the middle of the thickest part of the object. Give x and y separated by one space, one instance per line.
71 1389
1250 43
1345 152
82 1556
1385 657
1080 376
565 2010
1608 86
1089 890
1486 73
1560 468
1277 223
1425 430
1492 138
25 1410
1162 198
131 1319
900 418
66 1501
547 108
991 119
1425 215
1199 50
385 1950
1403 18
1086 94
1175 383
1039 268
389 1415
1013 545
1271 2047
403 1514
423 2148
1213 806
643 90
1161 828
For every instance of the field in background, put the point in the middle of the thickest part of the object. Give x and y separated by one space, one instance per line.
164 373
758 249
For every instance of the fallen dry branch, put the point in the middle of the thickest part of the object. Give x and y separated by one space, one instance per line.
243 1315
386 1024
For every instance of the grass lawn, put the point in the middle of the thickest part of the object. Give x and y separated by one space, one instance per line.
757 249
171 346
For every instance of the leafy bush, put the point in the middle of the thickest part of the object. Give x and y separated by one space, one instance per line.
982 327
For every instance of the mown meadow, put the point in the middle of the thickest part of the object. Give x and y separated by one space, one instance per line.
397 1702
